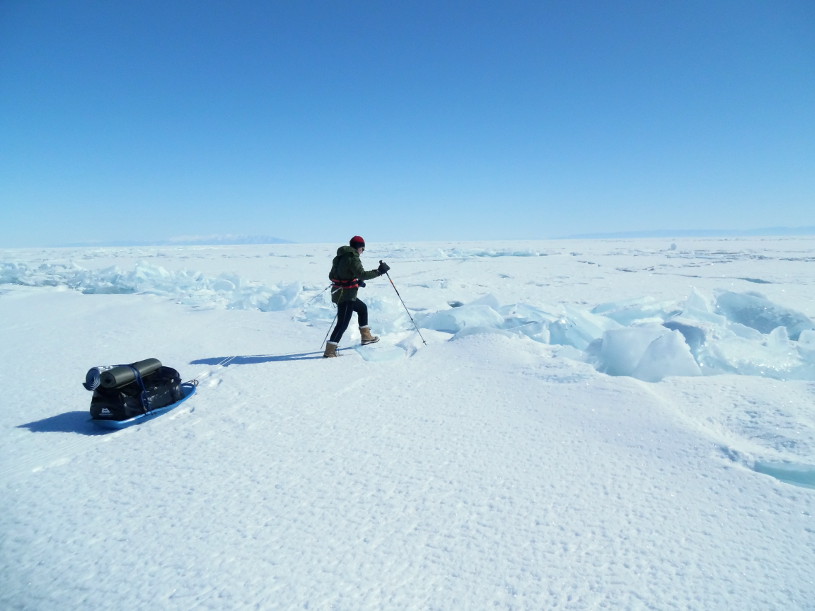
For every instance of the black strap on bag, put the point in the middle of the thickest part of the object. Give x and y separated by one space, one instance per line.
144 399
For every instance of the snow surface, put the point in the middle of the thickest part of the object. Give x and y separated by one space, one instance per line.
591 424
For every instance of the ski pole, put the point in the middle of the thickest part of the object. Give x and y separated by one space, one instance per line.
315 296
329 330
415 326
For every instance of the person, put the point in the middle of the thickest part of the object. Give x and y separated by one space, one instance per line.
347 275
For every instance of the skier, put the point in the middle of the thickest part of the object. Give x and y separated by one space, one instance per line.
347 275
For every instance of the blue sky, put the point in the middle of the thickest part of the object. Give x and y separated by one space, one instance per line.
402 121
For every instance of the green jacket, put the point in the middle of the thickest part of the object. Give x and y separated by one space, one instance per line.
346 271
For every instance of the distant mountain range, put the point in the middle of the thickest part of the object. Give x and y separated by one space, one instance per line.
697 233
226 239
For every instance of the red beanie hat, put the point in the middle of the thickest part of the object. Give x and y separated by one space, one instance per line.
357 242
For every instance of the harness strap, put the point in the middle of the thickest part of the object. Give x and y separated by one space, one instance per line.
344 284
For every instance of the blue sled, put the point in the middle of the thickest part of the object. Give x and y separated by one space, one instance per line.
188 388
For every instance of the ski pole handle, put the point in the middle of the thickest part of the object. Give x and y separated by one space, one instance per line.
415 326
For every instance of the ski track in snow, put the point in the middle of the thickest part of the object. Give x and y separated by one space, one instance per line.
492 470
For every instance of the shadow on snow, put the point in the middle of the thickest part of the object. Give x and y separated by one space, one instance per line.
255 359
69 422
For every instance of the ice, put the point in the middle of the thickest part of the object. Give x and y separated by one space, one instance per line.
187 287
579 328
694 335
466 253
700 308
757 312
650 339
667 355
621 350
806 341
648 352
456 319
731 333
800 475
629 311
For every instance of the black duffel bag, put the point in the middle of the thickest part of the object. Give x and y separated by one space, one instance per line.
158 389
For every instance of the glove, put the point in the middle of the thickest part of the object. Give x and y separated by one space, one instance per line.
362 284
383 268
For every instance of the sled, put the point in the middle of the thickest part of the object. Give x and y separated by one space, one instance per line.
188 388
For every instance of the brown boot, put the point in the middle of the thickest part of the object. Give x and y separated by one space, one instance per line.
367 338
330 350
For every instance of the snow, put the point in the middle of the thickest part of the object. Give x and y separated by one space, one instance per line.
608 423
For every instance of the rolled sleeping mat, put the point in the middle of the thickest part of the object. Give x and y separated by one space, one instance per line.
94 376
125 374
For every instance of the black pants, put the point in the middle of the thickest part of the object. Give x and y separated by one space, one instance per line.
344 311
